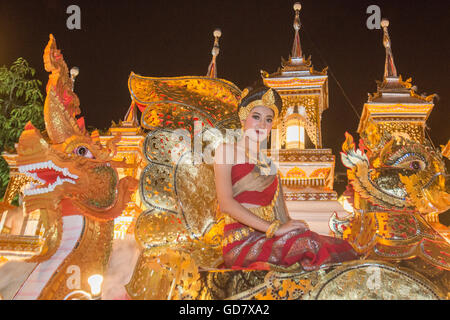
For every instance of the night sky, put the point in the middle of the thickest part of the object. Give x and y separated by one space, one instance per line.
174 38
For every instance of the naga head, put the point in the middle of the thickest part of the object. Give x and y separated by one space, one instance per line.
395 172
70 169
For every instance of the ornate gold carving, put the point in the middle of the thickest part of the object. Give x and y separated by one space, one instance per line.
411 131
168 275
313 115
177 102
376 281
302 155
196 191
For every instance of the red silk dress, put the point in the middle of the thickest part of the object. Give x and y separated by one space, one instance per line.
244 247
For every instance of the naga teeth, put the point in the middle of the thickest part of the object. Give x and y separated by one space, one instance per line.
44 165
34 189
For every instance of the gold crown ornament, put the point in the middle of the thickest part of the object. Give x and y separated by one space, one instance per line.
267 100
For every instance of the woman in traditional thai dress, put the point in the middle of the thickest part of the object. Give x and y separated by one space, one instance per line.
258 231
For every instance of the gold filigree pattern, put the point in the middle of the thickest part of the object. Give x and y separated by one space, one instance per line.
210 99
168 275
285 286
157 188
166 147
196 191
376 281
227 284
158 228
411 131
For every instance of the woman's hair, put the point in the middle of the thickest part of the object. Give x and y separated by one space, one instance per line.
259 95
256 92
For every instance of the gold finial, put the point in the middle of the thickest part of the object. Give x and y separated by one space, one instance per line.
212 69
217 34
74 72
297 8
296 47
386 40
389 67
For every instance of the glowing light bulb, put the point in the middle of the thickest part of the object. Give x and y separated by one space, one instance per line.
95 281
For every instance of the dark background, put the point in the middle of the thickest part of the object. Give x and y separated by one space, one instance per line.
174 38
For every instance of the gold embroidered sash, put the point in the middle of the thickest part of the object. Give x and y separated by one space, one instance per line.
255 181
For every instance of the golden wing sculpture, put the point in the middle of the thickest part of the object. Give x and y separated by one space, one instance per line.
188 117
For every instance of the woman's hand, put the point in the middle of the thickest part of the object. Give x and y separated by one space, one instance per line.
292 225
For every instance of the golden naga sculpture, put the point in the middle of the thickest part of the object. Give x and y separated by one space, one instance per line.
74 195
396 192
397 184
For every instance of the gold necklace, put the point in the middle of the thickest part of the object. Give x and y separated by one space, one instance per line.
256 160
264 167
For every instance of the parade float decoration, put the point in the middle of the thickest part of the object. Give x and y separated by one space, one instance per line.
71 194
397 186
397 181
180 234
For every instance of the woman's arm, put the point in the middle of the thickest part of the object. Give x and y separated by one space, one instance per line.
230 206
224 158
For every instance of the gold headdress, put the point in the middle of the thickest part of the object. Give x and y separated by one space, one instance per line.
267 100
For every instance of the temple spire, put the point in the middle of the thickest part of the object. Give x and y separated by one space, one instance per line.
212 69
131 119
389 68
296 47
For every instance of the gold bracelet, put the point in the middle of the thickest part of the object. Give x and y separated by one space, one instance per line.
273 228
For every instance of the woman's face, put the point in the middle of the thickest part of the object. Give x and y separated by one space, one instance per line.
258 124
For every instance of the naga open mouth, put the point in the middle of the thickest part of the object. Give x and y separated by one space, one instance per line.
47 175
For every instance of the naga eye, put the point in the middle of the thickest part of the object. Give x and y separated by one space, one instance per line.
83 152
411 161
415 165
